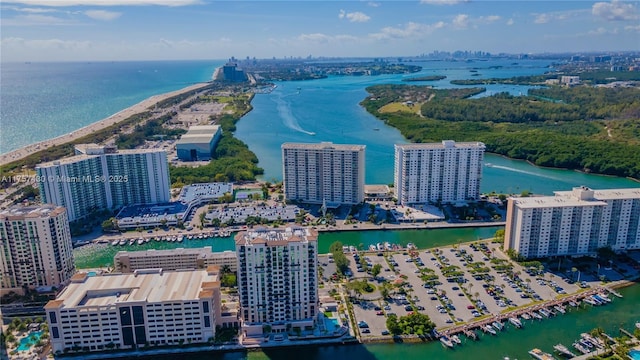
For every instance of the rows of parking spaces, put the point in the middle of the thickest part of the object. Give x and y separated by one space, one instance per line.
451 285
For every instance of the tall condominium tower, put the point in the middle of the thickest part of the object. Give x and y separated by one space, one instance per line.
576 222
277 278
446 172
35 247
101 177
323 173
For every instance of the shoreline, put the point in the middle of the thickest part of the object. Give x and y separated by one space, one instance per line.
113 119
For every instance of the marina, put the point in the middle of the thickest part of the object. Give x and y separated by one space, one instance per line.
169 238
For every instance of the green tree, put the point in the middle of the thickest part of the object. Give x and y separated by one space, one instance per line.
375 270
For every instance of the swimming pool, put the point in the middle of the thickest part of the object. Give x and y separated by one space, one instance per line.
634 354
28 341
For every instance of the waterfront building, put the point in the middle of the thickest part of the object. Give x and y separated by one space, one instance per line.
574 223
125 311
438 172
323 173
174 259
102 177
277 278
198 143
230 73
35 248
202 193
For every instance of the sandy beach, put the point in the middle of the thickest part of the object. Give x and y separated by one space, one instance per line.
98 125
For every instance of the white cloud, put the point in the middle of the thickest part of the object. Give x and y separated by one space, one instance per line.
461 21
105 2
489 19
31 10
543 18
443 2
354 16
102 15
510 22
632 28
615 11
603 31
373 4
37 19
409 30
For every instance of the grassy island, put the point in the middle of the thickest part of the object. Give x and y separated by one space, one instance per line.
426 78
584 128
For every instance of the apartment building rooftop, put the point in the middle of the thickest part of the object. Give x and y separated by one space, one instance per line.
553 201
606 194
445 144
269 236
323 146
87 151
31 211
151 285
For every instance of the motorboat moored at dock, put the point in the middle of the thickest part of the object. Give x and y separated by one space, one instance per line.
540 355
515 322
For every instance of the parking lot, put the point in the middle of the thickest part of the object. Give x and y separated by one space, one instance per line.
451 285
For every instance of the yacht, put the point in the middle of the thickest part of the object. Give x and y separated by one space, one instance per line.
563 350
446 341
515 322
560 309
536 315
140 241
122 242
544 313
489 329
573 303
115 242
580 348
638 325
540 355
590 301
498 325
456 339
602 298
526 316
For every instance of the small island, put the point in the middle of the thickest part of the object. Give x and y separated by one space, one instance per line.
426 78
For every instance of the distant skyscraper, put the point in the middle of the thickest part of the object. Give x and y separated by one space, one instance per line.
323 173
102 177
35 247
576 222
277 278
432 172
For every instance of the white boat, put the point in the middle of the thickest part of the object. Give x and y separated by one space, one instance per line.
602 298
132 241
544 313
515 322
180 238
526 316
115 242
140 241
456 339
122 242
489 329
580 348
563 350
590 301
540 355
498 325
560 309
638 325
573 303
536 315
446 342
372 247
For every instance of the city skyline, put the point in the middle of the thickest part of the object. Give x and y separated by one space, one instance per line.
79 30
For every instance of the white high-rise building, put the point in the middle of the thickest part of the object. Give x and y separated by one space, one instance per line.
323 173
124 311
277 278
35 248
101 177
576 222
432 172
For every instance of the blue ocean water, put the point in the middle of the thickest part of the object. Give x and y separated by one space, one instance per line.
40 101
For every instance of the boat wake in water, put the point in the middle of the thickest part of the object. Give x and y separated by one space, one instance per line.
284 110
524 172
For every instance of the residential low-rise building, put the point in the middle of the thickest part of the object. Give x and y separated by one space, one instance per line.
126 311
174 259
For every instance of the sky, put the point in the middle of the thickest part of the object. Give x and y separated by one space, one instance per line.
110 30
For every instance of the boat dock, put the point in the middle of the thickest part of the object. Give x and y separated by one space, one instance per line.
547 307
